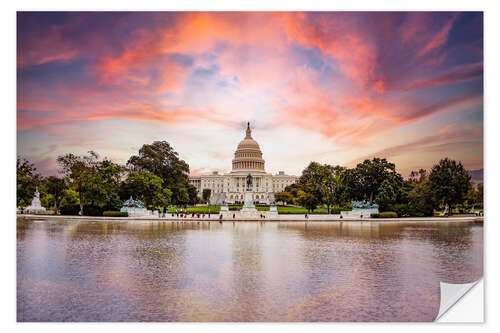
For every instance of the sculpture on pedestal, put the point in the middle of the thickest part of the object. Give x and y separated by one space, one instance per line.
36 206
249 182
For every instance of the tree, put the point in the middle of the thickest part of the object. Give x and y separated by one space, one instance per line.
96 182
386 195
163 199
206 194
450 182
27 180
284 197
56 187
147 187
180 195
79 171
351 185
292 189
371 174
70 204
332 187
422 193
162 160
192 194
312 182
307 200
418 176
479 195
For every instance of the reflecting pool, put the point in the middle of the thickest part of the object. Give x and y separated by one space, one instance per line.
246 271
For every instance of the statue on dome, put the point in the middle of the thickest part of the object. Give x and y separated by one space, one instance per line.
249 131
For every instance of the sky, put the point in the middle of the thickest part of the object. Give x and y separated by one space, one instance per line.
331 87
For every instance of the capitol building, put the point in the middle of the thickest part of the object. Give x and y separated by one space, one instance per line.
230 187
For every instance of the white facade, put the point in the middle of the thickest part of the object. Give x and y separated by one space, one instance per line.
231 187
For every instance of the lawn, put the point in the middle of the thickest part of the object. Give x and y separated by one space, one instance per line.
281 209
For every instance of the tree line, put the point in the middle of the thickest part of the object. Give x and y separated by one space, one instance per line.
91 185
377 181
159 178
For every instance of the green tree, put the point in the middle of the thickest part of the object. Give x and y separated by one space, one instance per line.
192 194
292 189
56 187
70 204
162 160
27 179
332 187
206 194
479 195
370 174
147 187
351 185
180 195
163 199
450 182
422 193
386 195
285 197
97 182
307 200
312 183
79 170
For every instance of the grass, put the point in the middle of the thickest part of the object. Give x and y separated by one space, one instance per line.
281 209
300 210
199 209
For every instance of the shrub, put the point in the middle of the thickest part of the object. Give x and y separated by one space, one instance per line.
421 210
337 210
401 209
69 209
413 209
92 211
383 215
69 205
113 213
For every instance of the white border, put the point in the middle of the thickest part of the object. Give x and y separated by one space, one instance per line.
8 132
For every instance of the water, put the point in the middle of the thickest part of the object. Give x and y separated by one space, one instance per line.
349 271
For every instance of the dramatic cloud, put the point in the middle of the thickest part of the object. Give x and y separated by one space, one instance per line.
351 84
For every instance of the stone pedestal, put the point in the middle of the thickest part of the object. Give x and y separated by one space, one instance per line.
273 211
224 211
249 205
36 206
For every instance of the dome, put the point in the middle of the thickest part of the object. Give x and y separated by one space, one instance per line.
248 143
248 155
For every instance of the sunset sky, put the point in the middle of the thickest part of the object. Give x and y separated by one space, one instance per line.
333 87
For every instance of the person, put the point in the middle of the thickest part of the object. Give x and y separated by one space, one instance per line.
306 216
220 219
234 215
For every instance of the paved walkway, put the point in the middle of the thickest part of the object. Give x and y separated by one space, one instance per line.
281 218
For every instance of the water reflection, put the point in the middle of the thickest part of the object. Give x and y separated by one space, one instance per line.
348 271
